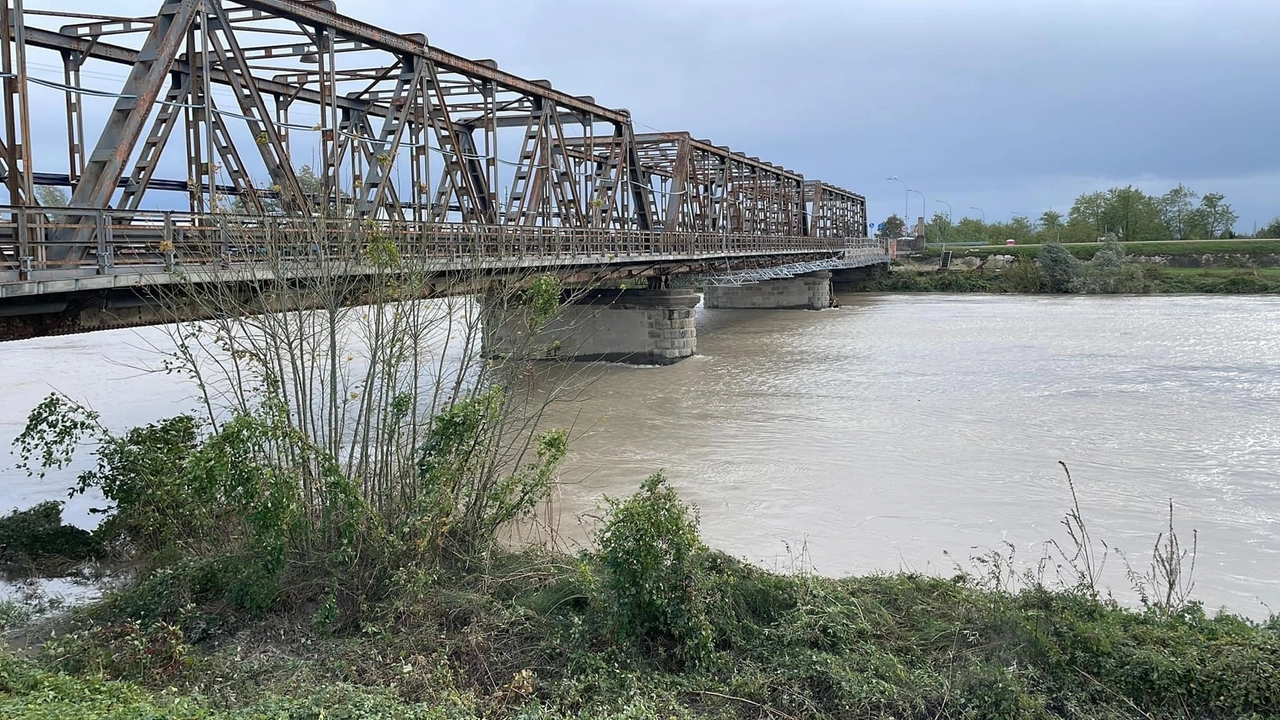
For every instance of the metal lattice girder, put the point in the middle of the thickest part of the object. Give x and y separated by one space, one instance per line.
835 212
100 178
397 128
701 187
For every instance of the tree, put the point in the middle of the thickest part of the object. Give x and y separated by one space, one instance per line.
1271 230
1090 211
1021 229
1133 215
50 196
1050 226
939 229
1058 268
312 187
1177 209
892 227
973 230
1215 215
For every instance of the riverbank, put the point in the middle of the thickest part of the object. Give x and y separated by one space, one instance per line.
537 636
1196 253
650 624
1216 266
1154 279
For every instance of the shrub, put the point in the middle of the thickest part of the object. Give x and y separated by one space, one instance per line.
649 549
1058 268
460 502
35 538
1110 272
142 473
156 655
1023 276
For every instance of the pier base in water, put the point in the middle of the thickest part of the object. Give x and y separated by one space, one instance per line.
644 327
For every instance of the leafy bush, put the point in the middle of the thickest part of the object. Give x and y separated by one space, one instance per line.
649 549
251 508
157 655
1109 272
1023 275
460 504
143 474
37 538
1058 268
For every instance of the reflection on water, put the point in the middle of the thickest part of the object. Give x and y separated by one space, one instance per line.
889 431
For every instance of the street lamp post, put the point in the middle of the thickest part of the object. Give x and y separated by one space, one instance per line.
948 225
924 208
984 213
906 198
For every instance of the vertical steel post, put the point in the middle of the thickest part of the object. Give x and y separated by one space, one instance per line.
17 123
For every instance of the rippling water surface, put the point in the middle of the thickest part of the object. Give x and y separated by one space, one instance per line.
890 431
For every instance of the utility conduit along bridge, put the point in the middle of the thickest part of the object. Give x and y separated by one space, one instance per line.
183 140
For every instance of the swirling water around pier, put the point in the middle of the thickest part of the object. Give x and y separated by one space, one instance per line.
886 433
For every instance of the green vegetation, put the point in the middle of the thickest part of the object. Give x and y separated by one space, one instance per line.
36 540
1023 277
655 626
892 227
1086 251
1126 214
1110 267
1270 230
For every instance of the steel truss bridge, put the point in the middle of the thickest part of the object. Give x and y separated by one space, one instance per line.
196 139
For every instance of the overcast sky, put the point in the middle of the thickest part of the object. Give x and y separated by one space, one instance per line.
1014 106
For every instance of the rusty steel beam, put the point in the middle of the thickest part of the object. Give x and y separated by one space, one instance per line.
835 212
50 40
400 130
101 173
462 105
710 188
395 43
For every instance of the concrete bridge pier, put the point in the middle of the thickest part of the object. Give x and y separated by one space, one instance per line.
811 291
643 327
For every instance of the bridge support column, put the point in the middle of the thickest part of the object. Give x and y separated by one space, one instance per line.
644 327
809 292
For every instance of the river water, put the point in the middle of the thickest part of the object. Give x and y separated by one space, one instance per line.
896 432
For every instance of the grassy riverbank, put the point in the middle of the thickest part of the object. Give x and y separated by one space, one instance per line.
652 624
1086 251
1224 266
537 637
1154 279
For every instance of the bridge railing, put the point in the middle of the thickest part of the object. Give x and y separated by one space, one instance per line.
39 241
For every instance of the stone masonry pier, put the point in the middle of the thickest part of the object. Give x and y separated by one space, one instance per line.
645 327
811 291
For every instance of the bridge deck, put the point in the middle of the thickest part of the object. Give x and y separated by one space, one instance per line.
160 248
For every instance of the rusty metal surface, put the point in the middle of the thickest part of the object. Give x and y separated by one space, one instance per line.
835 212
226 100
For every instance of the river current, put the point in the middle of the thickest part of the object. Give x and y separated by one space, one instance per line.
896 432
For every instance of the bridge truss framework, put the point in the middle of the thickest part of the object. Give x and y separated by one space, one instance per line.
221 99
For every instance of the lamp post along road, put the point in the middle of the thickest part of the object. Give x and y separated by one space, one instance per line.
906 199
946 227
924 208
